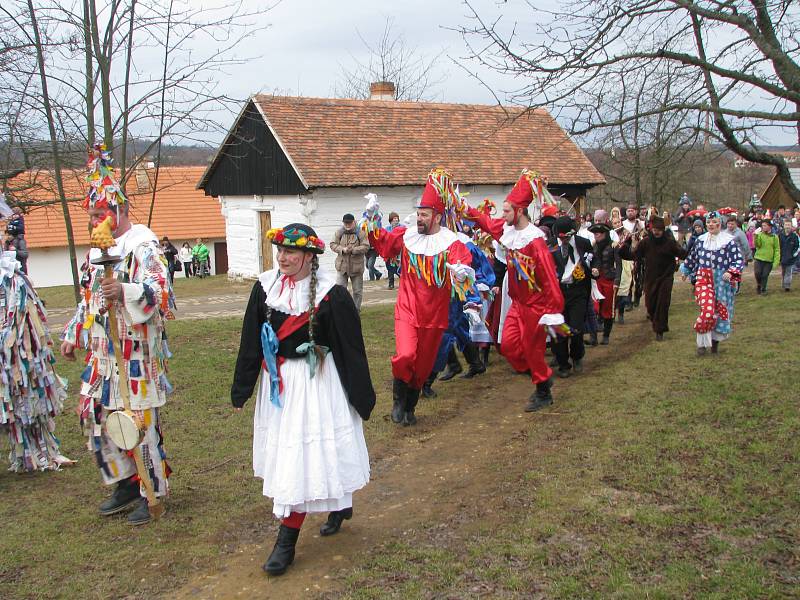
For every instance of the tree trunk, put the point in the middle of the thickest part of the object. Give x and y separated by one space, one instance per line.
56 156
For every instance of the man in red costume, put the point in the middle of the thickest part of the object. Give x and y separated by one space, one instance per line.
531 285
434 265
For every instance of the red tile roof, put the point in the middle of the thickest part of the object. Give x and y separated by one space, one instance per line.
337 142
181 211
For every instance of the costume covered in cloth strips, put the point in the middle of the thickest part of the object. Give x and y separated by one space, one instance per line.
426 286
147 302
308 440
710 258
532 297
31 394
658 255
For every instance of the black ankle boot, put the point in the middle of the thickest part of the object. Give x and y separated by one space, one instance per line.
427 387
141 514
473 357
399 392
541 398
334 522
621 316
125 495
283 553
411 404
453 366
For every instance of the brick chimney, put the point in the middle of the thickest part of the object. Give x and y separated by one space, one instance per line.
381 90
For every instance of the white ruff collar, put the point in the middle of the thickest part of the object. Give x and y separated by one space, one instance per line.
715 242
428 245
514 239
291 297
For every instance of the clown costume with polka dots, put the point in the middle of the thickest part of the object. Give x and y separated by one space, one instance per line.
716 263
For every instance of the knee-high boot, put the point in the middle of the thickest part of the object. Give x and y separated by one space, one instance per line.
411 405
399 393
453 365
473 356
607 325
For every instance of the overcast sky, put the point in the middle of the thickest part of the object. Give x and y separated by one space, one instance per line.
308 40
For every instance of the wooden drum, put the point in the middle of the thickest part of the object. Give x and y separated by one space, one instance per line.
125 429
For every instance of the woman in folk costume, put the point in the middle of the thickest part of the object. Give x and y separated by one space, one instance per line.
31 394
141 294
532 295
606 270
304 333
435 266
716 264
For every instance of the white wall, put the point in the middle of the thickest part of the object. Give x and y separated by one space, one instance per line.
323 210
49 267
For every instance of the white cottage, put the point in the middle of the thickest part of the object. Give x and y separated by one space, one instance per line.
312 160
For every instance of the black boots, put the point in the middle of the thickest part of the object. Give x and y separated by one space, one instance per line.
399 392
714 346
541 398
476 366
592 338
141 514
411 404
334 522
283 553
621 316
126 493
427 387
453 366
485 356
607 325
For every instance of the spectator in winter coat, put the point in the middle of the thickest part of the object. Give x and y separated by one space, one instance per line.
15 241
351 245
735 229
767 255
790 243
682 220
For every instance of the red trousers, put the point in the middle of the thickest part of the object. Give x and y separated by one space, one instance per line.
606 287
415 352
524 342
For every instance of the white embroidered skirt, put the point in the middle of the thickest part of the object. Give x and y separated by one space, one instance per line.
310 451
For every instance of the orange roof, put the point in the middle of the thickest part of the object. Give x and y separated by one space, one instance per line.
181 212
338 142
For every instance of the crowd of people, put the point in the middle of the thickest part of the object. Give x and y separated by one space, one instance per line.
513 279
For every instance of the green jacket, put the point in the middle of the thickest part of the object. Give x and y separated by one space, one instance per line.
768 248
200 252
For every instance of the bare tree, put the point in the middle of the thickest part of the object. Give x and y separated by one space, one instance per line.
92 55
741 54
390 58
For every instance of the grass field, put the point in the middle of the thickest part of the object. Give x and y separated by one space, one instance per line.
668 477
61 296
671 477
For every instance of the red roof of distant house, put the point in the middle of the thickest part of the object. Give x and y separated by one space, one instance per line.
339 142
181 212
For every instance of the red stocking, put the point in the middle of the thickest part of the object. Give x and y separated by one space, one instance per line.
294 520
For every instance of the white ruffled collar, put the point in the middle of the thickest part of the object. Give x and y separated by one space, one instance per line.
715 242
516 239
428 245
290 296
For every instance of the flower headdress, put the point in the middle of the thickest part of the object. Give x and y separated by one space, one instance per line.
297 235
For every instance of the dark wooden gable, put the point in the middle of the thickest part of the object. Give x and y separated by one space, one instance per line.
251 162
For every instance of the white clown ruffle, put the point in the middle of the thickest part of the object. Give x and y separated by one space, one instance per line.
310 451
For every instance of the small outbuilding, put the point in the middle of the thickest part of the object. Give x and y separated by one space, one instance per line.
776 195
311 160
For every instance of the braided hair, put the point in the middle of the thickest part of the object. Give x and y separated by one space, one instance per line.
312 301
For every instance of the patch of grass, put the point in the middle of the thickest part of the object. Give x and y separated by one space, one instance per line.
61 296
53 543
673 477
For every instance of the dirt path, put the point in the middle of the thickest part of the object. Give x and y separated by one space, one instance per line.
227 305
425 476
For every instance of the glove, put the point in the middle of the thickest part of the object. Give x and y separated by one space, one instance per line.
458 271
373 206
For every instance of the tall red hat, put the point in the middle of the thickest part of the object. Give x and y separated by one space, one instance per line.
437 187
521 195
